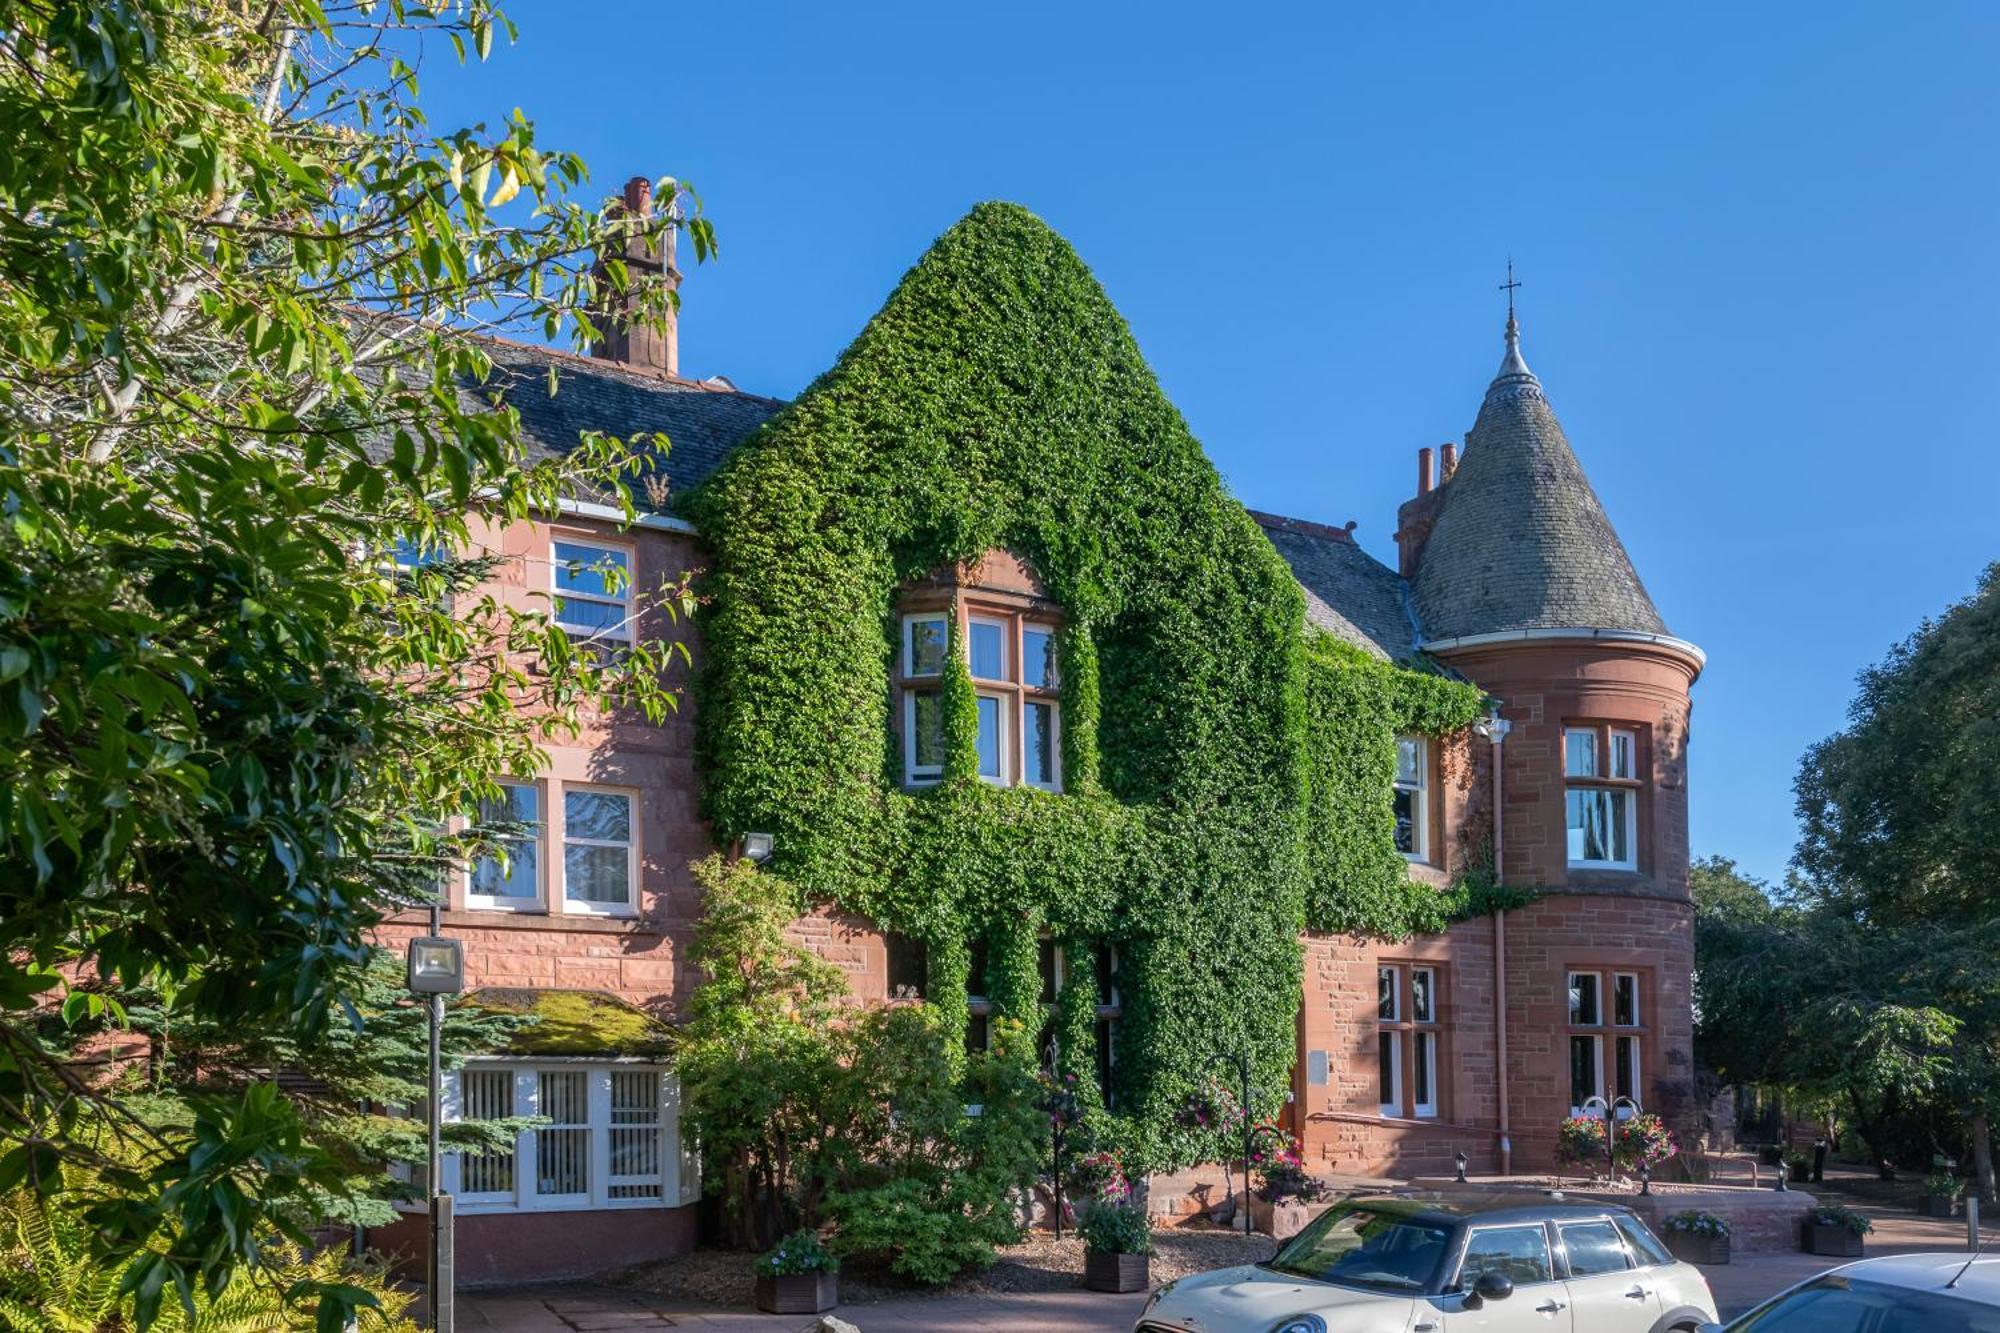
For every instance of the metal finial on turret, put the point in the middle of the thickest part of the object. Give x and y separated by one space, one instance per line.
1514 373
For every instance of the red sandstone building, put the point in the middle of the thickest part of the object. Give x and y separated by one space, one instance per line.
1480 1039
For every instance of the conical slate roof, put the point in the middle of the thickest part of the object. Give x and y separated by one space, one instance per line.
1521 541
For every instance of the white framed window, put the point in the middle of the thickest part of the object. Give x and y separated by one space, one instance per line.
612 1139
1625 999
926 639
1041 744
600 851
1606 1037
1585 1007
511 880
1388 995
1625 1067
991 743
986 647
1407 1010
1586 1069
923 736
1038 656
1601 796
1413 797
1389 1072
1423 1074
593 590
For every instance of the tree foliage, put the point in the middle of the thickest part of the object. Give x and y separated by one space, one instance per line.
998 401
239 288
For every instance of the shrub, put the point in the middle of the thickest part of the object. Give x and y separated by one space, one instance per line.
928 1230
1694 1222
1101 1175
1943 1181
1839 1215
800 1252
1116 1228
1281 1172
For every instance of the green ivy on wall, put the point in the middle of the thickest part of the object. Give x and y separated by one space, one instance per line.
1226 781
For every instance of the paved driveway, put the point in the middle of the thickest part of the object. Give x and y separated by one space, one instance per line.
591 1309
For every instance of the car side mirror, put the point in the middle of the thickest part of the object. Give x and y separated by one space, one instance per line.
1493 1287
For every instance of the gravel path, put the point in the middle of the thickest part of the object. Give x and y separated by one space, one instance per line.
1039 1263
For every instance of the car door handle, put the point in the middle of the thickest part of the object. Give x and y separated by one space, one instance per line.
1636 1294
1552 1307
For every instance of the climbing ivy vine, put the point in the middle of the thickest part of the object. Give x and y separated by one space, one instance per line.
1226 780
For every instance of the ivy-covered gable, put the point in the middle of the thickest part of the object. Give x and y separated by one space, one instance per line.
998 401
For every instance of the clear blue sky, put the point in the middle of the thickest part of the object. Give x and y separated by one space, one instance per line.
1758 243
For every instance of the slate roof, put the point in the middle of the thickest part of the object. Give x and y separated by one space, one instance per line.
1522 541
1349 593
702 421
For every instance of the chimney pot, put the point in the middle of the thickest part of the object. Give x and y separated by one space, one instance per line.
624 339
1447 461
639 197
1424 470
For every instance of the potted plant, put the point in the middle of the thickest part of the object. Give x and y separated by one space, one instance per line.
1099 1177
1941 1189
1696 1237
1280 1206
1800 1167
797 1276
1116 1242
1836 1231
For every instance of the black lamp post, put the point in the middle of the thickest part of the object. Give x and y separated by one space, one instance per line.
1458 1160
1241 1064
437 969
1645 1177
1061 1104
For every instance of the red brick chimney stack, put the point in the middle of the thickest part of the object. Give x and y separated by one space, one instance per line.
1424 471
636 345
1447 462
1417 514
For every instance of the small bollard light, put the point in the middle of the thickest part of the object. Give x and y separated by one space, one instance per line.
1645 1177
1458 1159
437 966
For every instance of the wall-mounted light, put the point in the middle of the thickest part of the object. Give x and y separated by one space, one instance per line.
437 966
757 847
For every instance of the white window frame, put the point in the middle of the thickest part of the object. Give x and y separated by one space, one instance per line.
1424 1052
1634 1061
1596 1040
1053 685
487 902
1638 1001
1392 1109
620 632
1005 630
679 1179
583 907
915 775
1055 740
1623 788
1420 803
910 621
1596 980
1003 742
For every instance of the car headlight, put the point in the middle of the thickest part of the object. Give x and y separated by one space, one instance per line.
1300 1323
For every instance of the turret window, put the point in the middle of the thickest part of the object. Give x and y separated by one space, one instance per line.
1601 795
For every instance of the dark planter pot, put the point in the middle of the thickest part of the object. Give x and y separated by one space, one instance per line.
1937 1205
1834 1242
1801 1173
1690 1248
1280 1221
798 1293
1115 1272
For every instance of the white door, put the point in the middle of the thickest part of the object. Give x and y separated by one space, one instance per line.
1520 1253
1606 1291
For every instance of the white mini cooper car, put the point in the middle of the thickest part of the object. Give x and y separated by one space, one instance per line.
1436 1263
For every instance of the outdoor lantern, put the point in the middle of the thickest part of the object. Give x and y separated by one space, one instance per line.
437 966
757 847
1458 1158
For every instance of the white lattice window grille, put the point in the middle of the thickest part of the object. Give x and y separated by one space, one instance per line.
612 1139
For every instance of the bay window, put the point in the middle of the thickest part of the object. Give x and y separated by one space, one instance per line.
611 1137
1601 796
1606 1037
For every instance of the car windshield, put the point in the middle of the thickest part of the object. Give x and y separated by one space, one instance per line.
1367 1245
1837 1304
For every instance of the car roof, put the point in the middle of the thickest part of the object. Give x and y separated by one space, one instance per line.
1934 1273
1487 1206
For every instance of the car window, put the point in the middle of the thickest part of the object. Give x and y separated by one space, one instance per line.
1361 1246
1836 1304
1646 1247
1593 1249
1520 1254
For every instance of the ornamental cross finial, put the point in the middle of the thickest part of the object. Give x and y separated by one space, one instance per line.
1508 287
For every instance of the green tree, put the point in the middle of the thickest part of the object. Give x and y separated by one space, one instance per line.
240 288
1722 892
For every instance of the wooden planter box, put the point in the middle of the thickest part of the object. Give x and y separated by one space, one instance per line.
1937 1205
1690 1248
1801 1173
1115 1272
1280 1221
798 1293
1834 1242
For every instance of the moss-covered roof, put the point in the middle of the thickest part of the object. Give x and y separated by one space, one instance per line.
575 1022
